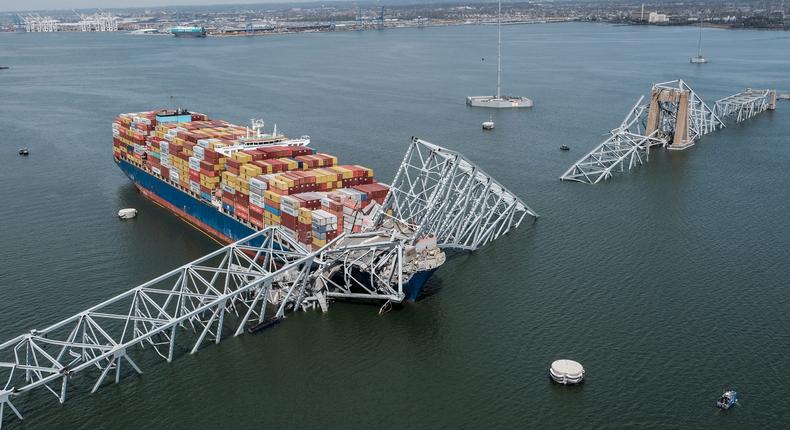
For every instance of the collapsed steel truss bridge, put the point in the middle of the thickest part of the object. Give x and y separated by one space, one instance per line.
674 118
258 279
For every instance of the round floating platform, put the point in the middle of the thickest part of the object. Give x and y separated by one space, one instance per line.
567 372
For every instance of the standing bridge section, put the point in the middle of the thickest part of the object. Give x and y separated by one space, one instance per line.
254 282
674 118
746 104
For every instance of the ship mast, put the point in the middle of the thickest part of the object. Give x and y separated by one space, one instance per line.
699 42
499 51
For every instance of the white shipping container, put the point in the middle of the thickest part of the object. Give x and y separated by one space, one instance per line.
257 183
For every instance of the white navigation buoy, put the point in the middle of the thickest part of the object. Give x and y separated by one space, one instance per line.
566 372
127 213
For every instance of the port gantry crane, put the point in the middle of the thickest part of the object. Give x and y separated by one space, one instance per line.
438 200
674 118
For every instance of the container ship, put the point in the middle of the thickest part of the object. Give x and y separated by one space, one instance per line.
230 181
192 31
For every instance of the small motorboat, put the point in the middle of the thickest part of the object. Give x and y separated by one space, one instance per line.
5 67
727 400
127 213
565 148
23 151
488 125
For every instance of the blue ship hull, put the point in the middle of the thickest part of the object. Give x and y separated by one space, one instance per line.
209 219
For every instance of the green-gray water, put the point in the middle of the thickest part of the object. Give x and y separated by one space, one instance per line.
669 283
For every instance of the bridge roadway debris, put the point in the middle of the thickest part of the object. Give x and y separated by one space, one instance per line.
439 200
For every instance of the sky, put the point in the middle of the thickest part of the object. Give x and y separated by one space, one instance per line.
15 5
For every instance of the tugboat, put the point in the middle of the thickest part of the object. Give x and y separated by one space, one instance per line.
23 151
565 148
727 400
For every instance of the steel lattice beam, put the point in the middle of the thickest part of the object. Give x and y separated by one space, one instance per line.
241 279
456 203
625 148
746 104
675 118
450 198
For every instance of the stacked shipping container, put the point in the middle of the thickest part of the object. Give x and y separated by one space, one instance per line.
306 193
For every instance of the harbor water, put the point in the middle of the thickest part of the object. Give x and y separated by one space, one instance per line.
669 283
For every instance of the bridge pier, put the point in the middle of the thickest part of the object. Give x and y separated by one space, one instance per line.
675 117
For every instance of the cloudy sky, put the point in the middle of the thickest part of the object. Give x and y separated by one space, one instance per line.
13 5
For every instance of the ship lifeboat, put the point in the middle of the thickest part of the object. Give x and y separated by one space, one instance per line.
566 372
127 213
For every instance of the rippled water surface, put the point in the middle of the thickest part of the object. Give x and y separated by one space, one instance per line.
669 284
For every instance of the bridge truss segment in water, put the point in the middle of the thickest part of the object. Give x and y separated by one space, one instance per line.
674 118
234 288
746 104
448 197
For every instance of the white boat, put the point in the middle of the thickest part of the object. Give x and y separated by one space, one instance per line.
499 101
488 125
699 59
127 213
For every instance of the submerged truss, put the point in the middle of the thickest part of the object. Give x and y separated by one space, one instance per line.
675 118
746 104
625 148
450 198
190 305
268 273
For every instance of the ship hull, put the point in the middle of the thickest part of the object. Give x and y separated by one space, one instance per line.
499 102
211 221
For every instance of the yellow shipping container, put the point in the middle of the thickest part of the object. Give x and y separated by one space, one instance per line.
242 157
227 176
271 196
250 170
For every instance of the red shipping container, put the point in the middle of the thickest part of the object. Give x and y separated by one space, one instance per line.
211 155
288 221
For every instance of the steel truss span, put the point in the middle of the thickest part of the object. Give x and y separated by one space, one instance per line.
448 197
268 273
675 118
625 148
746 104
189 305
